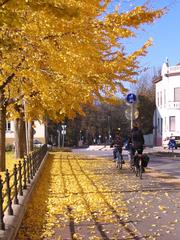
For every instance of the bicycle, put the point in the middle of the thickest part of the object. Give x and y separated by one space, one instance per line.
138 165
119 158
131 161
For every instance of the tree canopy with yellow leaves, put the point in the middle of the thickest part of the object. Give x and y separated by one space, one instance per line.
58 55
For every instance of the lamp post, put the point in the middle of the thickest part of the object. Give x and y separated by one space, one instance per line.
109 129
63 132
80 135
99 139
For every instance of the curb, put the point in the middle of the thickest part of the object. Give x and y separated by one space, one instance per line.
12 223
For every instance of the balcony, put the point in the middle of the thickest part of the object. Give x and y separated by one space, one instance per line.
173 105
174 69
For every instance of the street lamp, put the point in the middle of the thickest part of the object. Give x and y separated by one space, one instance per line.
80 135
99 139
63 132
109 128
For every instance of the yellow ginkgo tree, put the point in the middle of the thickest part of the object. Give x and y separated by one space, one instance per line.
57 56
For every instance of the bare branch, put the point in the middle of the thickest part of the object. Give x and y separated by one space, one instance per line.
8 80
14 100
4 2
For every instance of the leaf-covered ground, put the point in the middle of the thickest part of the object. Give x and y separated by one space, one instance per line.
78 197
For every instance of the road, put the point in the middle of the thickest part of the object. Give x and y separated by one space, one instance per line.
164 163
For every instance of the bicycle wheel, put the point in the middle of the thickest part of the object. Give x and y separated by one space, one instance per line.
137 171
140 168
120 164
136 165
119 160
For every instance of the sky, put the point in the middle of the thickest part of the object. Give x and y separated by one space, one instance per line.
165 33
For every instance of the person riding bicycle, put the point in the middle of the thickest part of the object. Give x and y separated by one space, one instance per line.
118 144
137 140
172 143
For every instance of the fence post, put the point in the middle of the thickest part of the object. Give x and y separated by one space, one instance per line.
20 179
33 165
24 168
8 190
16 201
2 225
28 169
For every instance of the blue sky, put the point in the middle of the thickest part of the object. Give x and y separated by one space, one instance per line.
165 33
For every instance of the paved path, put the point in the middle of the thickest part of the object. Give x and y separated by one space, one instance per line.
80 197
163 162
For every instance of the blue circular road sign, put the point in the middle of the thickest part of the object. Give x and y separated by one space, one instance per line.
131 98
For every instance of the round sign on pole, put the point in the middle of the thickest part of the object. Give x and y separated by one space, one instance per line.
128 114
131 98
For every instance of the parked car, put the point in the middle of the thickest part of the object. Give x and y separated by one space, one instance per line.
37 143
177 139
166 141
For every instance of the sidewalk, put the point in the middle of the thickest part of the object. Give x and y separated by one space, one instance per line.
80 197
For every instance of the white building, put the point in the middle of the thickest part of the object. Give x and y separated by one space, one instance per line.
39 132
167 113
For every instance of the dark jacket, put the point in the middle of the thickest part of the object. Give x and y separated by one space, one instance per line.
118 142
137 138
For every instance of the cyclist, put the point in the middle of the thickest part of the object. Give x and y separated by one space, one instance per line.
172 143
137 140
118 144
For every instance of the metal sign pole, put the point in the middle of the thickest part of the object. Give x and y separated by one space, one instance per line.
131 99
132 114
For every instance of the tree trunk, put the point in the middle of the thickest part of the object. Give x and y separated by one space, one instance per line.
2 132
20 142
30 135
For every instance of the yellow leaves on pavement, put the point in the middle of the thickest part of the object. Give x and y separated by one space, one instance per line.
71 190
78 196
162 208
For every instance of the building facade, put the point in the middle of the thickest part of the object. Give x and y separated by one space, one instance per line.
167 113
39 132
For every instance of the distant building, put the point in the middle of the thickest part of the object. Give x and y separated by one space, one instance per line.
167 113
38 134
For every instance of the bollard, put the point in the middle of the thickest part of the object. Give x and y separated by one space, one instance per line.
8 191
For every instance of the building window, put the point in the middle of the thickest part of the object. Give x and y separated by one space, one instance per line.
164 97
172 123
177 94
160 99
158 127
165 125
161 129
8 126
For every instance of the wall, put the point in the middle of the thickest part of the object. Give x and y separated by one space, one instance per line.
39 133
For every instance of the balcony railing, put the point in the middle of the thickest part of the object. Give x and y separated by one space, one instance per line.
174 69
173 105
